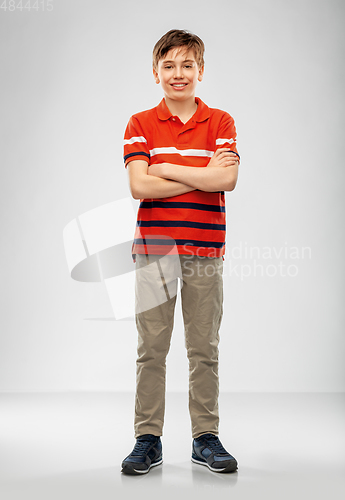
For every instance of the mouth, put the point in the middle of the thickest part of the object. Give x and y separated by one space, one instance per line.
179 86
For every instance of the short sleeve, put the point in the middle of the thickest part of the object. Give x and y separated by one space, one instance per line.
226 135
135 143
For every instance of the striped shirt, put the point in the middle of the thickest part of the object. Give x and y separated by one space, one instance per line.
192 223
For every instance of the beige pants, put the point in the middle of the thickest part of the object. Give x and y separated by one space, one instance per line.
202 308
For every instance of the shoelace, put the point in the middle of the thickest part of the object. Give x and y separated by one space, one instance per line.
214 444
142 447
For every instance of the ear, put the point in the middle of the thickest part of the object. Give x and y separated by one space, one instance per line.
201 73
155 75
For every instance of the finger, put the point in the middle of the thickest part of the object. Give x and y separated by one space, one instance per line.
225 149
227 162
220 150
228 153
224 163
224 160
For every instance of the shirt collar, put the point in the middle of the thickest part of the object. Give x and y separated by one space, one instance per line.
201 114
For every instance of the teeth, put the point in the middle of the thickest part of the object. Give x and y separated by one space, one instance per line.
179 84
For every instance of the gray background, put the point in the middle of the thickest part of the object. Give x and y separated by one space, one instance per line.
70 80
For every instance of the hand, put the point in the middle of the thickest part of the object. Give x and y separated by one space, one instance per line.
223 157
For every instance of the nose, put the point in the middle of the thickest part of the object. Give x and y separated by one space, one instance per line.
178 72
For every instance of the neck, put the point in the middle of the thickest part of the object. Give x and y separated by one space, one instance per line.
182 108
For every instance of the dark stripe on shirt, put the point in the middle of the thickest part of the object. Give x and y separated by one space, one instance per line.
194 243
140 153
182 223
180 204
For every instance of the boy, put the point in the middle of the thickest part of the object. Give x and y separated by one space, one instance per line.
181 156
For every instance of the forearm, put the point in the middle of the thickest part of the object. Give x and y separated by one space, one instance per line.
204 178
150 186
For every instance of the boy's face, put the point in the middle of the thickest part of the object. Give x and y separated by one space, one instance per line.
178 74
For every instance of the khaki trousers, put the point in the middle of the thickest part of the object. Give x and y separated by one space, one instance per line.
202 308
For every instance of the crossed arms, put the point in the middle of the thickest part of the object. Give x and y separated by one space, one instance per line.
162 180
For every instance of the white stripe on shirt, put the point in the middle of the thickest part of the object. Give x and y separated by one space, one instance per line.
182 152
134 139
221 141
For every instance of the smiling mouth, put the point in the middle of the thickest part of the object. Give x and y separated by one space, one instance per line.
179 85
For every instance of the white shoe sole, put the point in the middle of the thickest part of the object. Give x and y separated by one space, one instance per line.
199 462
138 471
152 465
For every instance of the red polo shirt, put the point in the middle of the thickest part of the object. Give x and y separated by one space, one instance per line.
190 223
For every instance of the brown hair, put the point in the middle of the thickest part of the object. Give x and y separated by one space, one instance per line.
178 38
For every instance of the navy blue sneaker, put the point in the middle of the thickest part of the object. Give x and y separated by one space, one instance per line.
208 450
146 453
